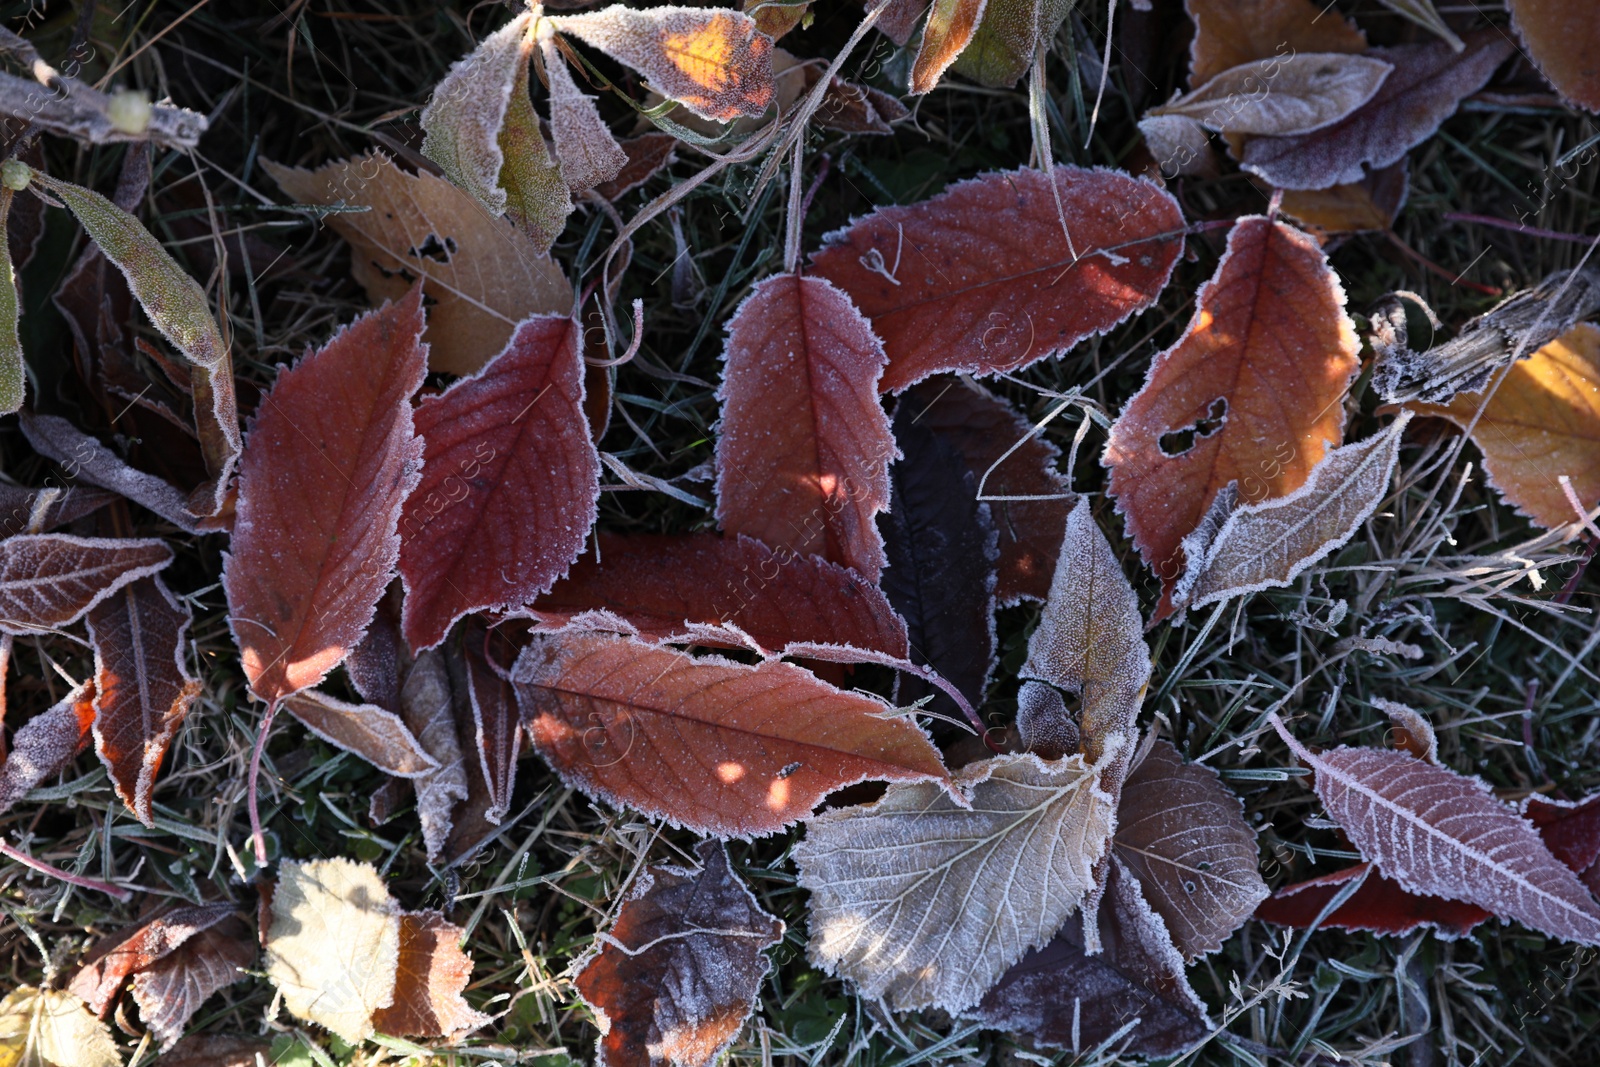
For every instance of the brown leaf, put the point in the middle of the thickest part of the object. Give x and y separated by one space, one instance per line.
1250 393
431 974
947 290
483 275
1372 203
171 990
377 664
48 581
950 26
495 734
648 155
373 733
143 688
587 152
1284 95
90 461
1428 82
678 973
705 743
428 707
1563 38
122 955
658 583
1183 834
804 449
45 744
40 510
775 18
510 481
1230 32
331 455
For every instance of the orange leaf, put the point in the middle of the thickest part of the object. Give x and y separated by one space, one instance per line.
803 456
1230 32
143 688
123 954
948 289
709 744
509 484
1369 204
1542 422
45 744
428 982
328 461
1250 393
50 580
1564 38
950 26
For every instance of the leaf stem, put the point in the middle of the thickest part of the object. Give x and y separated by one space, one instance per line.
116 892
257 838
1516 227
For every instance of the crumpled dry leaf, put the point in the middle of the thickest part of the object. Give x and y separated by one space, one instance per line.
373 733
51 1028
894 884
172 989
1287 95
115 958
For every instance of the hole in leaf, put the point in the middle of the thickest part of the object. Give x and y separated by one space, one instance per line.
1175 443
435 249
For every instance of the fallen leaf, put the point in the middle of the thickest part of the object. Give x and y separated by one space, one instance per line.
50 1028
45 743
1570 829
1428 83
90 461
1228 33
713 61
1090 642
495 734
40 510
334 944
1268 544
587 152
510 481
1132 994
1379 906
950 26
898 19
804 447
537 197
376 735
1372 203
171 990
648 154
48 581
1412 733
431 973
428 708
1250 391
1009 34
1563 39
658 583
1438 833
895 885
941 548
1282 95
1044 725
705 743
1543 421
947 290
1183 834
1179 145
112 962
483 275
1017 477
331 455
143 688
378 662
220 1050
679 972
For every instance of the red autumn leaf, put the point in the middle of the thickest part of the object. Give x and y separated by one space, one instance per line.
678 973
804 452
1379 906
660 582
1563 37
328 461
1571 829
129 952
509 487
495 736
173 988
45 743
428 982
1250 393
947 289
143 688
1009 460
648 154
50 580
705 743
377 665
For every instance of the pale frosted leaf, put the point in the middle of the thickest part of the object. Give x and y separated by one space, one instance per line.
333 947
57 439
1282 95
51 1028
1179 144
1263 545
45 744
13 372
112 960
1184 834
1043 722
431 974
462 121
925 902
376 735
537 197
1435 832
1410 731
172 989
427 707
589 155
483 274
50 580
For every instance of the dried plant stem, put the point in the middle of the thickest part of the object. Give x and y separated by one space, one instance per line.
42 867
258 839
1516 227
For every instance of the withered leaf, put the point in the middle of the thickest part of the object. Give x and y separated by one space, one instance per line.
706 743
333 946
893 883
1562 37
1412 732
1249 393
1179 145
1259 546
330 457
431 973
1017 477
427 705
143 688
52 1028
1009 34
509 486
1438 833
45 743
483 274
1183 834
375 734
587 152
946 289
941 550
658 583
90 461
678 973
1283 95
1134 990
950 26
50 580
122 955
495 734
1428 83
1230 32
377 664
1570 829
713 61
1379 906
804 447
172 989
1372 203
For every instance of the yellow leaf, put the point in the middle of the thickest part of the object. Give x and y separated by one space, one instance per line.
50 1028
